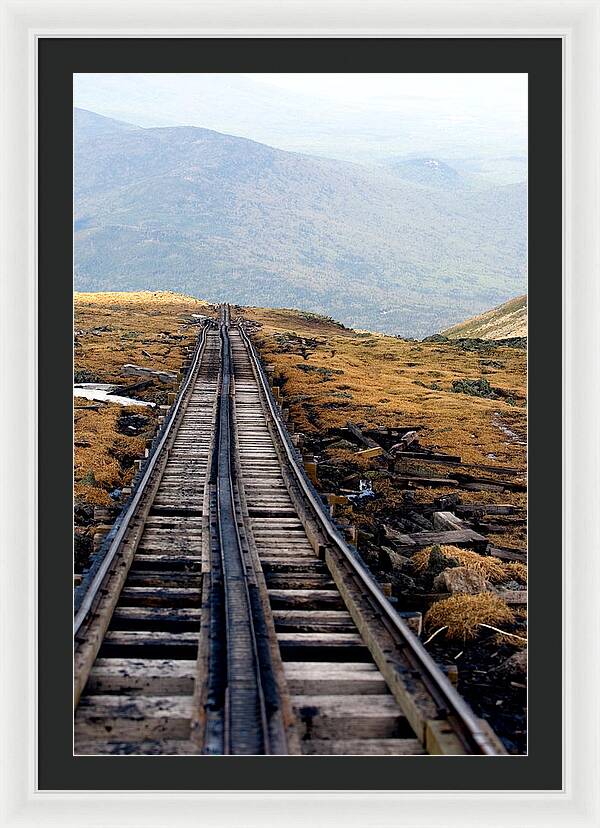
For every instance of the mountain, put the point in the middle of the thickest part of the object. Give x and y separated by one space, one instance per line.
379 116
505 321
427 171
223 217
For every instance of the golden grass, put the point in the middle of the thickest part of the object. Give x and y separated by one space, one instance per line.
152 329
364 377
462 614
519 642
506 320
380 380
106 462
490 568
516 571
387 381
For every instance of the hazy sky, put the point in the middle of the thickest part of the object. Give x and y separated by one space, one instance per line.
468 92
356 116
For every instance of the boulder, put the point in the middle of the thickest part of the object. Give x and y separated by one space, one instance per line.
402 583
132 424
514 667
392 561
438 562
82 546
83 375
83 512
460 579
138 371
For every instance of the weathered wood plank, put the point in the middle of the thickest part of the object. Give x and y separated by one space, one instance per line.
163 617
145 676
482 487
514 597
446 521
291 564
362 747
469 480
425 481
334 717
160 597
488 508
313 621
376 451
157 747
367 441
508 554
157 613
455 538
331 667
319 639
150 638
311 580
454 460
329 681
133 717
140 578
143 560
307 598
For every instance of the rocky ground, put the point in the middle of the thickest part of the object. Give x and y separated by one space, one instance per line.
384 512
136 342
400 431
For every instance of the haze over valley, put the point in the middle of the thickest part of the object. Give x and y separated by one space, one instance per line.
407 245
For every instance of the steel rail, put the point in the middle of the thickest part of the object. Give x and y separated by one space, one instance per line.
92 591
245 694
471 730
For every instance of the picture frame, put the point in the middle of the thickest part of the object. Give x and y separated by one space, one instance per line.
578 25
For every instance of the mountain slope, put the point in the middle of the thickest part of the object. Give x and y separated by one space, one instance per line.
503 322
192 210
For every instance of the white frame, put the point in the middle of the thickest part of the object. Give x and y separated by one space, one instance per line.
577 22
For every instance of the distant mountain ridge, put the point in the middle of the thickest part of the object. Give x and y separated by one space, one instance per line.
429 171
504 322
213 215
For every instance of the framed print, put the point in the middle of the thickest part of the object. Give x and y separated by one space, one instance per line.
322 282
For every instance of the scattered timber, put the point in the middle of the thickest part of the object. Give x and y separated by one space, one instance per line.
447 521
487 508
411 480
467 480
463 537
366 441
455 460
128 390
166 377
506 554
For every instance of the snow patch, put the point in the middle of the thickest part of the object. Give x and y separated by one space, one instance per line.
100 392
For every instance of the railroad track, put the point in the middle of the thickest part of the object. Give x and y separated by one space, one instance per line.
227 615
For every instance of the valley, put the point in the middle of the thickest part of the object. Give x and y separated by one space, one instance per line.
417 245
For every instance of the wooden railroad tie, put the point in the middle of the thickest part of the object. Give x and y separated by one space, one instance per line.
310 465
